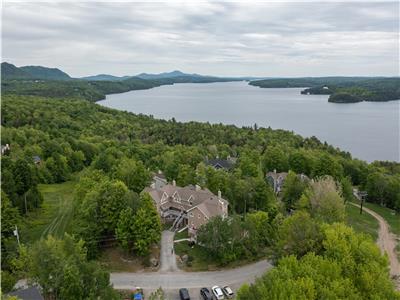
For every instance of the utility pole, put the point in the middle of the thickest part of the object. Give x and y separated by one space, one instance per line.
17 235
362 195
26 206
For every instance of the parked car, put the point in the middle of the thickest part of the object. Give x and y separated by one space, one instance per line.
206 294
184 294
228 292
219 295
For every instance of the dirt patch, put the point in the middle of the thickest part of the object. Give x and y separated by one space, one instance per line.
387 242
117 260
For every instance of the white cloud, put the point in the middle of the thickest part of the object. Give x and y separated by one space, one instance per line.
224 38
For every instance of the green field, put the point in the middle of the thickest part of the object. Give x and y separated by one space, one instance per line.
364 223
54 217
389 215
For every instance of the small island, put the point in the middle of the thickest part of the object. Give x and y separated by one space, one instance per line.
341 89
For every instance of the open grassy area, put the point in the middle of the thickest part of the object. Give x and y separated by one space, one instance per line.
364 223
388 214
54 217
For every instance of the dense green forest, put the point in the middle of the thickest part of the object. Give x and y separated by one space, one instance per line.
341 89
115 152
112 154
79 89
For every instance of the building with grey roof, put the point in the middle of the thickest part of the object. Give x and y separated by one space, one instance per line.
190 206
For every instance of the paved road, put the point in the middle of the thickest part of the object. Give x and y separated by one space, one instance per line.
171 278
386 241
178 279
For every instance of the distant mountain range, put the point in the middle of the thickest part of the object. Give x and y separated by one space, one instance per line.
172 74
105 77
11 72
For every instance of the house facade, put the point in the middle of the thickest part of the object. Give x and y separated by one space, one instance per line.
276 180
190 206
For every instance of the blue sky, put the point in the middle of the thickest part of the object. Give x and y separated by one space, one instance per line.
215 38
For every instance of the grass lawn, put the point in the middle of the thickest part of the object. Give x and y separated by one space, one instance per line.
361 223
181 235
388 214
54 217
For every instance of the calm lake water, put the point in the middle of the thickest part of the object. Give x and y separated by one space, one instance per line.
368 130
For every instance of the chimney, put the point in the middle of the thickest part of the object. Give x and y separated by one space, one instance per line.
159 172
174 182
153 185
219 194
198 188
275 171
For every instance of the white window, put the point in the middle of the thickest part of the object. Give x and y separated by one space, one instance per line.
205 219
191 214
199 216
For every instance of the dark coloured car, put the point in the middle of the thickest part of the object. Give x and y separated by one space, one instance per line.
184 294
206 294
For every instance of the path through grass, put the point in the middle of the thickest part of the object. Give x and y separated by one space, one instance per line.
364 223
54 217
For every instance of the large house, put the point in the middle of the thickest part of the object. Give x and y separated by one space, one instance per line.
276 180
190 206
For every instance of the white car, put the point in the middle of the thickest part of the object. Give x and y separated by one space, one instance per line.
228 292
217 291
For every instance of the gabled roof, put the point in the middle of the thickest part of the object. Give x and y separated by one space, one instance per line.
221 163
189 198
276 175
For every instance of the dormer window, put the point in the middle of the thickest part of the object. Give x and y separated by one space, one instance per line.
176 197
190 200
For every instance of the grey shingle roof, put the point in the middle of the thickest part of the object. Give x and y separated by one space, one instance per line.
30 293
221 163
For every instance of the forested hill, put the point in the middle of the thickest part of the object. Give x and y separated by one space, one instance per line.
9 71
79 89
50 82
341 89
39 72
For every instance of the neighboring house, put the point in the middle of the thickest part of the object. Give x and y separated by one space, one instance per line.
5 149
37 160
219 163
189 206
30 293
159 180
276 180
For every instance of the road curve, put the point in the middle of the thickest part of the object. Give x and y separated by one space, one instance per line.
178 279
386 241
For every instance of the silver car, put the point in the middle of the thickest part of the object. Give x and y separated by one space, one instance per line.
217 291
228 292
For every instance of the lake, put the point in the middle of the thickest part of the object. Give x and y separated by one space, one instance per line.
368 130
